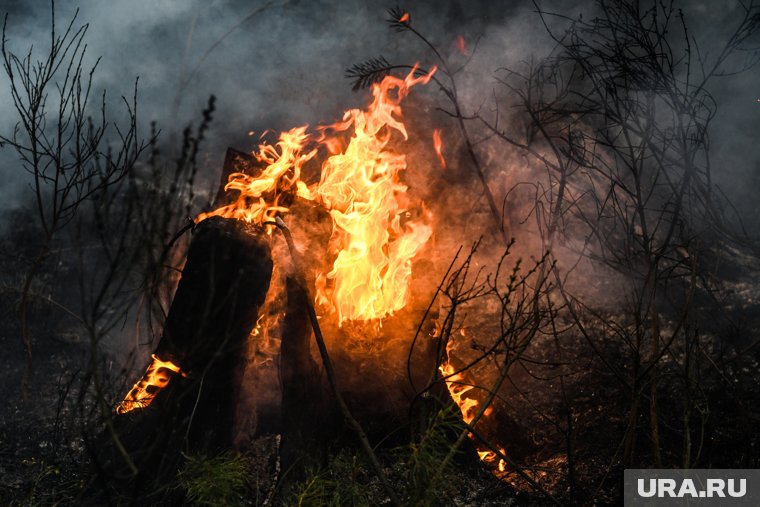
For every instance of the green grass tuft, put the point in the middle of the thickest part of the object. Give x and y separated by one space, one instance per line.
215 481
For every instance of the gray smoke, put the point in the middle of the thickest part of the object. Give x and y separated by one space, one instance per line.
278 64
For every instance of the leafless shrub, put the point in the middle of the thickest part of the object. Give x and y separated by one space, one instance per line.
620 118
59 141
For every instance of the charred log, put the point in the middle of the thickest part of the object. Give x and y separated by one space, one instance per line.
310 420
215 307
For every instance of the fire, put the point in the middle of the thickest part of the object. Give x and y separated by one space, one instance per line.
438 145
361 189
490 458
458 388
283 163
157 377
257 328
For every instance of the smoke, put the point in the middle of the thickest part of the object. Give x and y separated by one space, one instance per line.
271 65
277 64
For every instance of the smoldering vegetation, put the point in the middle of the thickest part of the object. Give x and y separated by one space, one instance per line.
589 297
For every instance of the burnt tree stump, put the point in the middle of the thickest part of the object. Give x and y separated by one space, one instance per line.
215 307
224 284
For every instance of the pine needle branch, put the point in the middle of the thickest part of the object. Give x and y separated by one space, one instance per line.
369 72
399 19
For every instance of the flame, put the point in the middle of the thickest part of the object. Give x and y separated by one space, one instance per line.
361 189
458 388
283 163
404 18
438 145
490 457
157 376
461 47
257 328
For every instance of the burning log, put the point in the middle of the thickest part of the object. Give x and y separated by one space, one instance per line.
215 307
223 284
363 233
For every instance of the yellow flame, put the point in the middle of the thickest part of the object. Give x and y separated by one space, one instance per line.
283 163
438 146
360 187
157 377
491 458
458 388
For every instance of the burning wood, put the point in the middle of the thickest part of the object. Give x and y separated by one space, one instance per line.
362 290
156 378
188 397
359 186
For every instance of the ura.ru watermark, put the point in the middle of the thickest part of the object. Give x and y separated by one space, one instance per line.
697 487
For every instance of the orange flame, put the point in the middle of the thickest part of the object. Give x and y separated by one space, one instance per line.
438 145
361 189
282 172
457 389
404 18
457 386
157 376
490 458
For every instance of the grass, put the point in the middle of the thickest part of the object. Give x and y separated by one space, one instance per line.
215 481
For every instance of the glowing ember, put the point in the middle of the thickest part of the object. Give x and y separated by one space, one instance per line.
438 145
360 187
156 378
461 47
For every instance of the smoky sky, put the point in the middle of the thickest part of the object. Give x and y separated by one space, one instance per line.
279 64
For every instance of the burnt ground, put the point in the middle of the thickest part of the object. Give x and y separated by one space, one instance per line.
720 402
45 459
41 449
